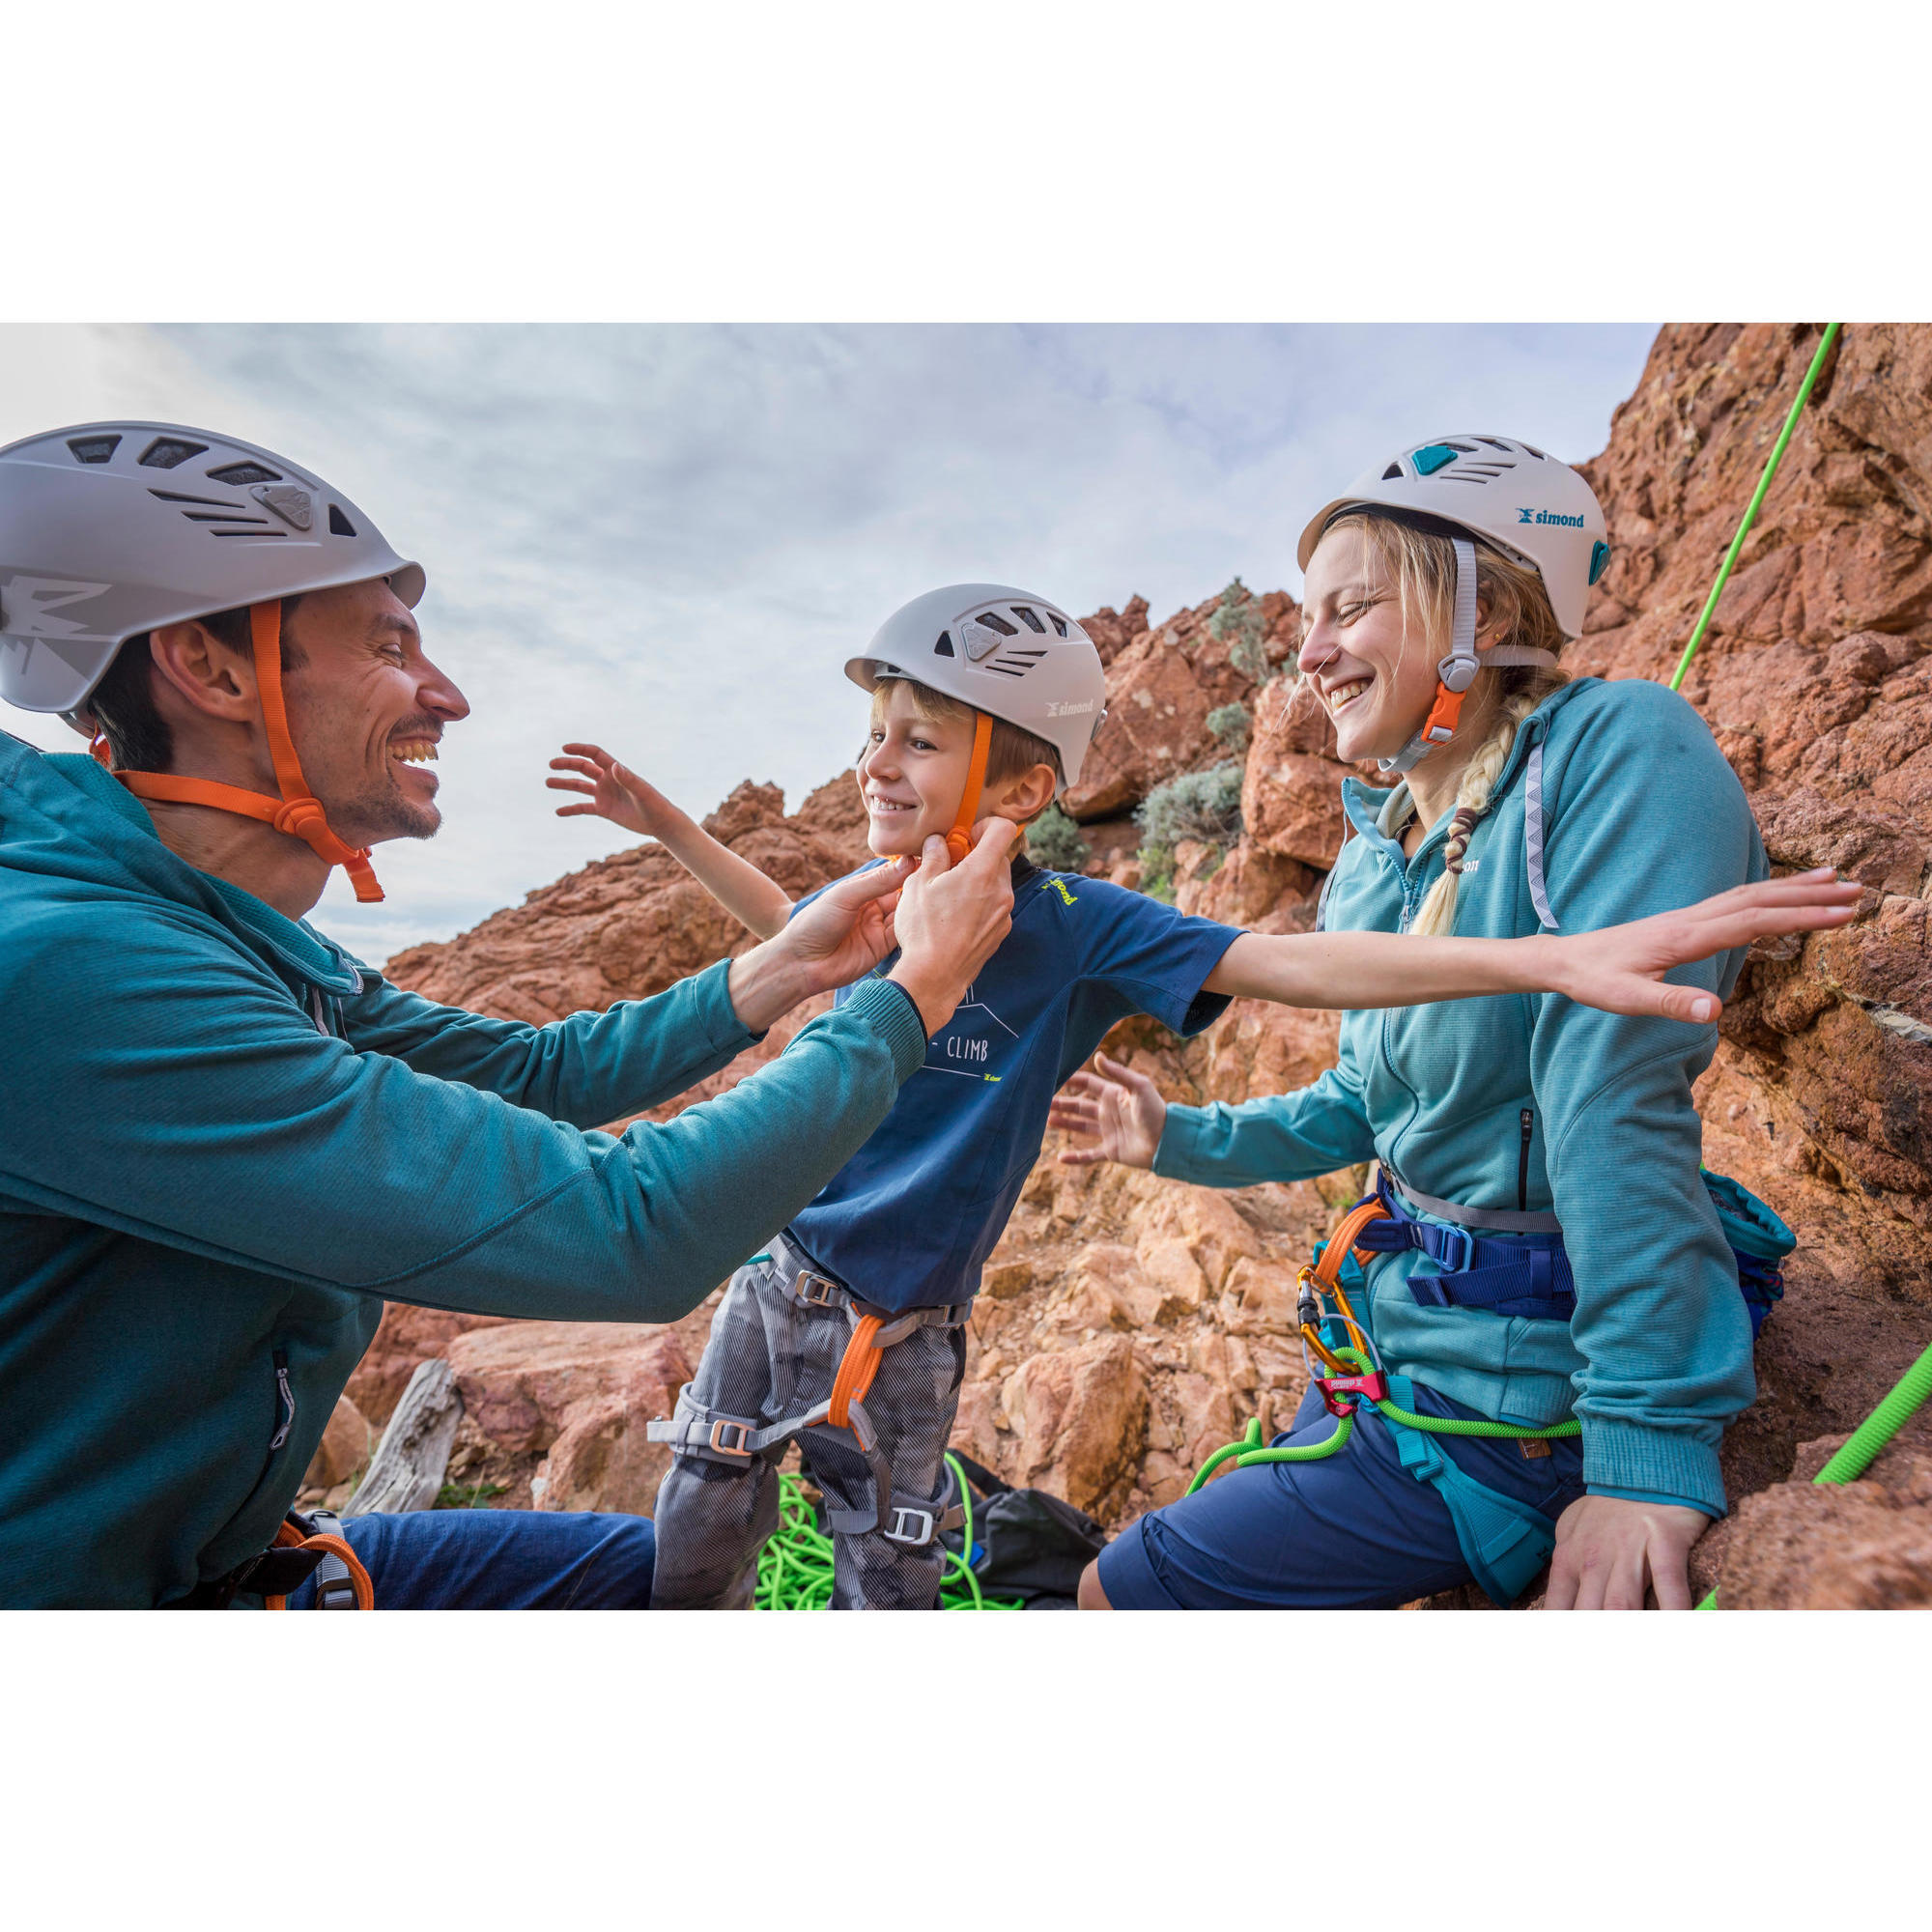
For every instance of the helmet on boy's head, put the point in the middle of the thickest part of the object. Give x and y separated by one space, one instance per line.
1002 650
1529 505
112 529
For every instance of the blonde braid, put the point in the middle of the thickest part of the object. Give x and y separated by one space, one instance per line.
1438 917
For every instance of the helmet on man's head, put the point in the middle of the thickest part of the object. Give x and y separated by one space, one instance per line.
112 529
1002 650
109 530
1529 505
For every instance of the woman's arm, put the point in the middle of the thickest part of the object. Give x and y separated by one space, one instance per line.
1619 969
617 793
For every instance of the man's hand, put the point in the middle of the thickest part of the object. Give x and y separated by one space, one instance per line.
1118 1110
951 918
840 936
1609 1550
1621 968
614 791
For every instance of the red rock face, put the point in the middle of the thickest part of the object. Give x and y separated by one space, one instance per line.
1128 1325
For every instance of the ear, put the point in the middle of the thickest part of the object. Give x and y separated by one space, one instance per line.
1027 796
195 669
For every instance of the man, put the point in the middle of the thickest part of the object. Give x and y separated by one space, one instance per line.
226 1141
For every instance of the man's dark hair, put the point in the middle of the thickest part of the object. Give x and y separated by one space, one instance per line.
122 703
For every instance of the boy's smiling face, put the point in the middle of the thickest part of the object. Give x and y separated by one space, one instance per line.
912 774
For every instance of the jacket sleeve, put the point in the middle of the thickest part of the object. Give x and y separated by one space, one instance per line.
191 1102
1643 815
1285 1137
585 1068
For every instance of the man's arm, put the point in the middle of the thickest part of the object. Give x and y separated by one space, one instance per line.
1619 969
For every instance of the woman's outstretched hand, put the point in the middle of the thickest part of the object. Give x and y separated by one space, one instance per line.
1120 1111
1611 1550
1621 968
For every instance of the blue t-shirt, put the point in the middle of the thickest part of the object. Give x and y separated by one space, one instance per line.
909 1220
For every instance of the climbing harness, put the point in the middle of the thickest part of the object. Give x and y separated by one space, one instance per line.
1504 1541
795 1567
737 1441
1856 1454
306 1545
1776 456
297 811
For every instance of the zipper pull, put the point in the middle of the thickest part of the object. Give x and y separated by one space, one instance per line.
1528 1120
288 1395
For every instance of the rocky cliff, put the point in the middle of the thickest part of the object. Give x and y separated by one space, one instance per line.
1128 1325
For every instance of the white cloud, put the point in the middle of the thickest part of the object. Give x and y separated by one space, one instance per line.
668 539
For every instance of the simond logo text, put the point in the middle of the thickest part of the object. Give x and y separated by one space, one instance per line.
1055 710
1524 516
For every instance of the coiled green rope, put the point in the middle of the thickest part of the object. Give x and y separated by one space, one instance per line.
795 1566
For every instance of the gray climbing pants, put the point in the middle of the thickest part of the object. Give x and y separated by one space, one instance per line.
772 1357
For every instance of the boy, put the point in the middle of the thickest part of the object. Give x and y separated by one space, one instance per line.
847 1336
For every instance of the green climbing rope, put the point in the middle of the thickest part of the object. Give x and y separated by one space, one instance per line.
795 1566
1757 498
1249 1451
1855 1456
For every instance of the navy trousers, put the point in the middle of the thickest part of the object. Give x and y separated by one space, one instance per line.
501 1560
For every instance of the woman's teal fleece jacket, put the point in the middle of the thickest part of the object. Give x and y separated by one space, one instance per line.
1639 813
224 1144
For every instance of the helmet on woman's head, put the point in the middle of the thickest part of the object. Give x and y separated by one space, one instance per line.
1535 510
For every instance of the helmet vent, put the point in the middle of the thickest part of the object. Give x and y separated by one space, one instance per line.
277 535
1058 623
339 525
166 451
237 474
1015 662
93 448
1393 474
1494 445
993 622
944 647
1028 618
1537 453
181 496
222 517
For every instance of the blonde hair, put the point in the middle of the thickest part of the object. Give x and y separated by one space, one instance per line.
1517 612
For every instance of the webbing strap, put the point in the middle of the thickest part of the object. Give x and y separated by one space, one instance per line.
959 841
298 813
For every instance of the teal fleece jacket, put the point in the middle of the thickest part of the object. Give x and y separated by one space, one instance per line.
225 1143
1641 814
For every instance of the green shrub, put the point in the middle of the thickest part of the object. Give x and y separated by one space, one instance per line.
1238 622
1204 806
1157 866
1054 840
1232 724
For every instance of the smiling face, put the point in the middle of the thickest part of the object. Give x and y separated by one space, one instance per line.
366 710
1376 677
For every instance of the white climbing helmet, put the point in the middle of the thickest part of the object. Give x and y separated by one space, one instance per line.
110 529
1002 650
1527 504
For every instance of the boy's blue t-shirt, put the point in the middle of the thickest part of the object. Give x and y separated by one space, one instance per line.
909 1220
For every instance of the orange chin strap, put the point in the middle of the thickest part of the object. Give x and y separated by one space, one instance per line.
297 811
959 841
1444 715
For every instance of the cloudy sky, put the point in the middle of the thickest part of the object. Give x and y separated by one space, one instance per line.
670 538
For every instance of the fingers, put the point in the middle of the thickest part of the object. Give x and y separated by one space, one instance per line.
878 883
1624 1585
1082 1158
595 752
1670 1578
570 785
585 766
992 844
1126 1076
578 811
1682 1003
1562 1592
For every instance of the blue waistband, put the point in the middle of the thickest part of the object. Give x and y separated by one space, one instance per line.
1529 1275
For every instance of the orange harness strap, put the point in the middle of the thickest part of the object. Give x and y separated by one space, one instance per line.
297 811
1327 1272
856 1369
959 841
289 1537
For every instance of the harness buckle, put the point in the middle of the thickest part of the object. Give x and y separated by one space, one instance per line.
724 1427
901 1516
818 1291
1342 1394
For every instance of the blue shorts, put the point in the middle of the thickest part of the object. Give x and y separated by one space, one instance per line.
501 1560
1353 1531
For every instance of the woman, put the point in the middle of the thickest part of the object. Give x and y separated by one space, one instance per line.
1440 592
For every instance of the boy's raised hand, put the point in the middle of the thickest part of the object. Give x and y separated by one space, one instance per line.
1118 1111
614 791
1621 968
